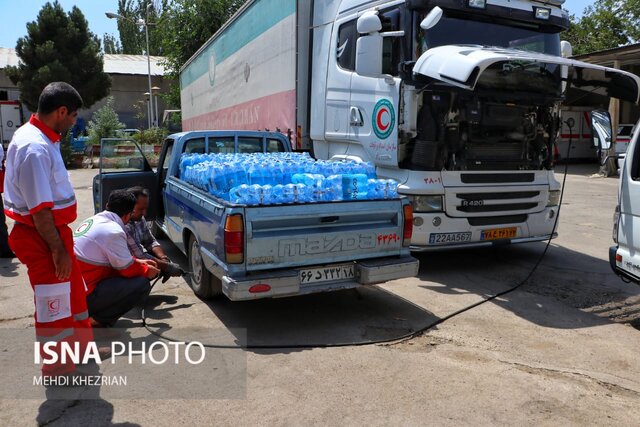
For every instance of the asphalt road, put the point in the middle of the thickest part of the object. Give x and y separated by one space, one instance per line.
562 349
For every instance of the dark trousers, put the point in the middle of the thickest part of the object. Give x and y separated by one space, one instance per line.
4 233
115 296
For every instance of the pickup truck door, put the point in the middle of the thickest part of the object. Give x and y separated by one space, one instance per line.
122 165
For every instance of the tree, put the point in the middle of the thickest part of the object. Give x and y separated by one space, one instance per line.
184 26
59 47
111 45
132 35
104 123
604 25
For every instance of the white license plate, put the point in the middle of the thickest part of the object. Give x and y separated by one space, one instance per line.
330 273
446 238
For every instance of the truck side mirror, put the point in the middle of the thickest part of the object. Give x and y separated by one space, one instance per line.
566 50
369 45
369 55
369 23
601 129
431 19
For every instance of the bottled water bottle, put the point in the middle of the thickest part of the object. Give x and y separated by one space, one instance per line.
278 195
264 195
354 186
220 180
382 189
370 170
333 188
308 179
240 194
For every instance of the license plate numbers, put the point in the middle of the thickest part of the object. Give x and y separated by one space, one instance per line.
332 273
499 233
444 238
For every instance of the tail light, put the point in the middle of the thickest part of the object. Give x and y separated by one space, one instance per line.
234 239
299 138
407 213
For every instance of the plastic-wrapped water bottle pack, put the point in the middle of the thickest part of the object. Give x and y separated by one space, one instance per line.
283 178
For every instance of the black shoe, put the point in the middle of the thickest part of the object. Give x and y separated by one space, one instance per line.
7 254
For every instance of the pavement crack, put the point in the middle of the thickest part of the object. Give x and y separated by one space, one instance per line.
29 316
561 372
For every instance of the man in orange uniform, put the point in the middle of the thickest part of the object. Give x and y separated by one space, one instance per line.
38 195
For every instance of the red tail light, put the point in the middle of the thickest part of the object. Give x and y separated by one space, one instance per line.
234 239
407 213
262 287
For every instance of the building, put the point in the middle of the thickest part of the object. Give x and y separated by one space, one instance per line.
625 58
129 83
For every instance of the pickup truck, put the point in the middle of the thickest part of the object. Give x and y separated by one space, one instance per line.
251 252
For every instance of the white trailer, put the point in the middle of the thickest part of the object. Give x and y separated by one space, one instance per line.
457 101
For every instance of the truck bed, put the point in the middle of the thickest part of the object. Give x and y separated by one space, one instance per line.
299 248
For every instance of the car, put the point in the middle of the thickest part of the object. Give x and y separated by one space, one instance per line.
623 138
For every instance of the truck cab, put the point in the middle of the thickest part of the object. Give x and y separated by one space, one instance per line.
457 101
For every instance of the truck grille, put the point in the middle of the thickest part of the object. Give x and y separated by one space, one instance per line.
496 178
507 203
498 208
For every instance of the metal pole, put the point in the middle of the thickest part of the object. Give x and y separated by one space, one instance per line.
146 32
149 113
157 117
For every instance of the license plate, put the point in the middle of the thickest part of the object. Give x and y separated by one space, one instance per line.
331 273
499 233
444 238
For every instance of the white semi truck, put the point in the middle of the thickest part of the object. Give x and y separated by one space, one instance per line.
457 101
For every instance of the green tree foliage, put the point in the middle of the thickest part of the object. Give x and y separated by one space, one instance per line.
111 45
59 47
153 136
132 35
104 123
604 25
184 26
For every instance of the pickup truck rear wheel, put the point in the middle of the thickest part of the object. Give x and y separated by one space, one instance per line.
203 283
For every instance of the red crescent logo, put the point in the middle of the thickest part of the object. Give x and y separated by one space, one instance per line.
381 125
54 304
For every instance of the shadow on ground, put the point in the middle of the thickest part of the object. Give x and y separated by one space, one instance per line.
575 279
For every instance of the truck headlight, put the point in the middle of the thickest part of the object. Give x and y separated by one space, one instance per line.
427 203
554 198
477 4
542 13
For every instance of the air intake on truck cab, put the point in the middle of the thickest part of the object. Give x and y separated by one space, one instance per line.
496 178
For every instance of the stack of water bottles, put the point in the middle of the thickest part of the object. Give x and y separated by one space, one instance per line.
283 178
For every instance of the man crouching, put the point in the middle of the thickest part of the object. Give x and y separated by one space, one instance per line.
115 280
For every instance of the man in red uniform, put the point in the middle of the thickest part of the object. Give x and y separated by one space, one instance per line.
39 197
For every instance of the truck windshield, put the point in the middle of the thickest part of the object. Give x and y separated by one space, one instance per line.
460 30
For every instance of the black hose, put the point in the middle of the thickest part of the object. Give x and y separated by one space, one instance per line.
408 335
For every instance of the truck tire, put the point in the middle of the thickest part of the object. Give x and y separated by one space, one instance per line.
204 284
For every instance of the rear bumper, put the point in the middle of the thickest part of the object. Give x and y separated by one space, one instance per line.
284 283
535 227
470 245
624 275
